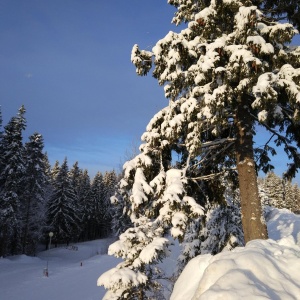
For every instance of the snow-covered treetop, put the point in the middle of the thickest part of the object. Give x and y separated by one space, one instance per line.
229 48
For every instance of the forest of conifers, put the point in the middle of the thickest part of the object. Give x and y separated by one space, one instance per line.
36 199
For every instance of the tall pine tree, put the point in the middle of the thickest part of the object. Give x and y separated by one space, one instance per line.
11 185
34 194
98 209
62 215
86 205
230 70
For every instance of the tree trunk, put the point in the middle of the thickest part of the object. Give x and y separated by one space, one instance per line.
252 218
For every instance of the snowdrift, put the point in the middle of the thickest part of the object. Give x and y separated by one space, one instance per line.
261 270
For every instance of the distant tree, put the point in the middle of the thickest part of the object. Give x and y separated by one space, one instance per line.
11 184
34 195
279 192
54 171
75 175
294 198
62 215
110 181
98 208
1 124
120 218
1 145
275 190
86 205
297 209
47 164
110 185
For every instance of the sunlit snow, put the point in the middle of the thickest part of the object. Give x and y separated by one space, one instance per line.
261 270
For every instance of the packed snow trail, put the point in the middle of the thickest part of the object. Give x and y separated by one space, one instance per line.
21 277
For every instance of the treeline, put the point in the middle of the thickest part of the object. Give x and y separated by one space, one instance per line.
36 199
278 192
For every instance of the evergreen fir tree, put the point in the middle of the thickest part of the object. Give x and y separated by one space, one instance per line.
85 204
228 72
110 183
11 185
1 145
47 164
294 198
288 194
34 194
76 177
120 218
62 215
221 74
98 209
297 209
274 187
54 171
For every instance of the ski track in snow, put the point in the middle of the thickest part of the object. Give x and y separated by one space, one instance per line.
21 277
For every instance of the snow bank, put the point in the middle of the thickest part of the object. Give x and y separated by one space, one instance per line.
261 270
282 223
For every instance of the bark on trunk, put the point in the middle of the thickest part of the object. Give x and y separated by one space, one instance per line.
252 219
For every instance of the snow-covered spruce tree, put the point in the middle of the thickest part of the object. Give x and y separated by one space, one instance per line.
228 72
11 184
279 192
157 208
274 189
297 204
34 194
62 214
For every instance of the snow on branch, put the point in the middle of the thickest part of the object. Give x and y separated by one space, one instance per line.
141 59
118 278
151 252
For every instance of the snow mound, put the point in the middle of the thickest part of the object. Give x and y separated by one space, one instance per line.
282 223
24 259
263 269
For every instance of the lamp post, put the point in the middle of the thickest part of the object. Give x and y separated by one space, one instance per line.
50 235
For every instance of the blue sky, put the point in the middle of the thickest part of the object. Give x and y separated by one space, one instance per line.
69 63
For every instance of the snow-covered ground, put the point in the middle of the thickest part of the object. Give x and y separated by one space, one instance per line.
261 270
21 277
